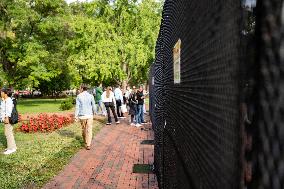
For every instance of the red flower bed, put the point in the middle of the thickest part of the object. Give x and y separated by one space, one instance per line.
45 123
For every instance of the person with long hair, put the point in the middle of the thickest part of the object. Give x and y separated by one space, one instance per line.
110 102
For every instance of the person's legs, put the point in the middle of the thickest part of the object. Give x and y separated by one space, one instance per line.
96 109
142 114
136 114
83 124
114 114
120 108
89 131
121 113
11 144
108 112
118 104
139 120
101 106
132 118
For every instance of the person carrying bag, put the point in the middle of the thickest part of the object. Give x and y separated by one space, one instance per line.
9 116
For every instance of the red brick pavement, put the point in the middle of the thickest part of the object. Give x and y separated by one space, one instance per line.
109 163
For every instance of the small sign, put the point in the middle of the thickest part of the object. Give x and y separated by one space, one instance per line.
176 56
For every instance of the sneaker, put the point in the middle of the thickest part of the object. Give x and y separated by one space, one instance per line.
9 152
132 124
144 123
108 123
122 117
138 125
118 122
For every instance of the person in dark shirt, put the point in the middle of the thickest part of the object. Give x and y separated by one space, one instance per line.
140 111
132 107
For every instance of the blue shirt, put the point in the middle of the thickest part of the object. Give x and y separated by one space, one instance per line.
118 94
85 105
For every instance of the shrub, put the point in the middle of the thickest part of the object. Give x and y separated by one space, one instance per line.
67 104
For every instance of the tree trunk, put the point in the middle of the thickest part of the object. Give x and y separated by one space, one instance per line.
124 82
146 86
124 85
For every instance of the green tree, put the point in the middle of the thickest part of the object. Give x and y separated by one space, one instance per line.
53 46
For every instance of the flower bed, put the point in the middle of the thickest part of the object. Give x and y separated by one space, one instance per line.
45 123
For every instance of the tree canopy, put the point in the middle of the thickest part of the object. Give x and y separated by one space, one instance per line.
53 46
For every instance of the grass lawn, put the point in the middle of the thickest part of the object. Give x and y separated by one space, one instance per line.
40 156
39 105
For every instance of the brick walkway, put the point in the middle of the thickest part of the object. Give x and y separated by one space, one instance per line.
110 162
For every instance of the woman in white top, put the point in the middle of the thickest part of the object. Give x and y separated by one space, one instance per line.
109 102
6 111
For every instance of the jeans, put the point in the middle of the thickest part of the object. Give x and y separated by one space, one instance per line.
101 107
140 114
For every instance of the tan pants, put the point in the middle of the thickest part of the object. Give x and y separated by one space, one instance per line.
87 130
11 144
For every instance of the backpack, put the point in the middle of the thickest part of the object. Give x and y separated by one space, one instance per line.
14 115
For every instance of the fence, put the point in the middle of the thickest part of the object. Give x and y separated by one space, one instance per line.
199 104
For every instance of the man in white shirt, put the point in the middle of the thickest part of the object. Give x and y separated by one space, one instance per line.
119 101
6 111
85 110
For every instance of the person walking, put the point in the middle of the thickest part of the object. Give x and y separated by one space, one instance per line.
7 106
109 102
99 101
140 110
85 111
119 101
132 101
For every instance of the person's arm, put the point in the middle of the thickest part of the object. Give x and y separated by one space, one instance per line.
143 95
113 99
77 108
9 108
103 96
100 91
121 97
114 93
